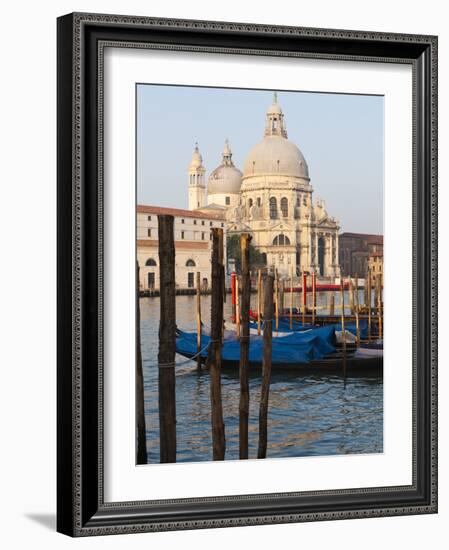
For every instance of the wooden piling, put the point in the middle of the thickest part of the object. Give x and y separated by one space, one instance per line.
332 304
313 297
259 299
379 305
214 357
291 299
356 308
376 292
365 289
167 340
369 304
276 299
198 318
343 328
266 366
233 296
245 240
281 296
304 297
141 443
237 306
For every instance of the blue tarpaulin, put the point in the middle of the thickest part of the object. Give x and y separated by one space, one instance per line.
299 347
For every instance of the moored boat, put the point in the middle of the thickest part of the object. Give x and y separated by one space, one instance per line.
312 350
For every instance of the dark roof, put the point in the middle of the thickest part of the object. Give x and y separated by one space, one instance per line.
180 213
369 237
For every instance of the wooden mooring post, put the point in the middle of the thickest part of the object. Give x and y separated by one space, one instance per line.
313 297
266 365
276 299
281 296
141 443
259 299
237 306
356 307
304 297
379 306
343 328
369 304
198 318
214 356
332 305
245 240
291 299
365 289
376 291
167 340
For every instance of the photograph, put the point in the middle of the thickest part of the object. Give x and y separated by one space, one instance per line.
259 284
246 218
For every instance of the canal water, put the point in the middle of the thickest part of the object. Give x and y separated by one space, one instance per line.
309 415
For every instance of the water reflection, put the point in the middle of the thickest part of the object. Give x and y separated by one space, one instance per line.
308 415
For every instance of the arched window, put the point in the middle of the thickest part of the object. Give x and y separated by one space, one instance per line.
250 203
151 263
190 263
273 208
281 240
284 207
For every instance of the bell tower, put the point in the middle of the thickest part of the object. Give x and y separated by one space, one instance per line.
197 186
275 123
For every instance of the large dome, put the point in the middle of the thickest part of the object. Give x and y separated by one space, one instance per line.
275 154
224 179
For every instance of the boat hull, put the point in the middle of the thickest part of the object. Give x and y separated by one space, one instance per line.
334 365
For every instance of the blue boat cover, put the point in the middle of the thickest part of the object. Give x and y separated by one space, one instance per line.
298 347
284 326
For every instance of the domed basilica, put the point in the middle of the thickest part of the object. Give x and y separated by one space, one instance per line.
271 200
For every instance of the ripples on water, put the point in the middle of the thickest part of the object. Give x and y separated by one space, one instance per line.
308 415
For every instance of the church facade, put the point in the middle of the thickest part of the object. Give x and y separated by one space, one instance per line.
272 199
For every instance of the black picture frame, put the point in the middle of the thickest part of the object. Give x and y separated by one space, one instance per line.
81 509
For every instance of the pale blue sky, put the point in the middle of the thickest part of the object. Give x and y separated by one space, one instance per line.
340 136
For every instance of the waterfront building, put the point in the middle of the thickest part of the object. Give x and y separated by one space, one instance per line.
193 244
376 266
272 199
356 249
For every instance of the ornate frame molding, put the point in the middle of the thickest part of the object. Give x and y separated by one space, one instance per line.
81 41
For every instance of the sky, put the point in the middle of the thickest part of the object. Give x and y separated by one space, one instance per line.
340 135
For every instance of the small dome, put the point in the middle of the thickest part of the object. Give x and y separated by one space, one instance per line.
224 179
275 155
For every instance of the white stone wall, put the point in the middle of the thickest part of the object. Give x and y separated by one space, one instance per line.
192 244
304 224
201 258
222 199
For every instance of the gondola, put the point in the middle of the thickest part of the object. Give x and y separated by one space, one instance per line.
312 350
